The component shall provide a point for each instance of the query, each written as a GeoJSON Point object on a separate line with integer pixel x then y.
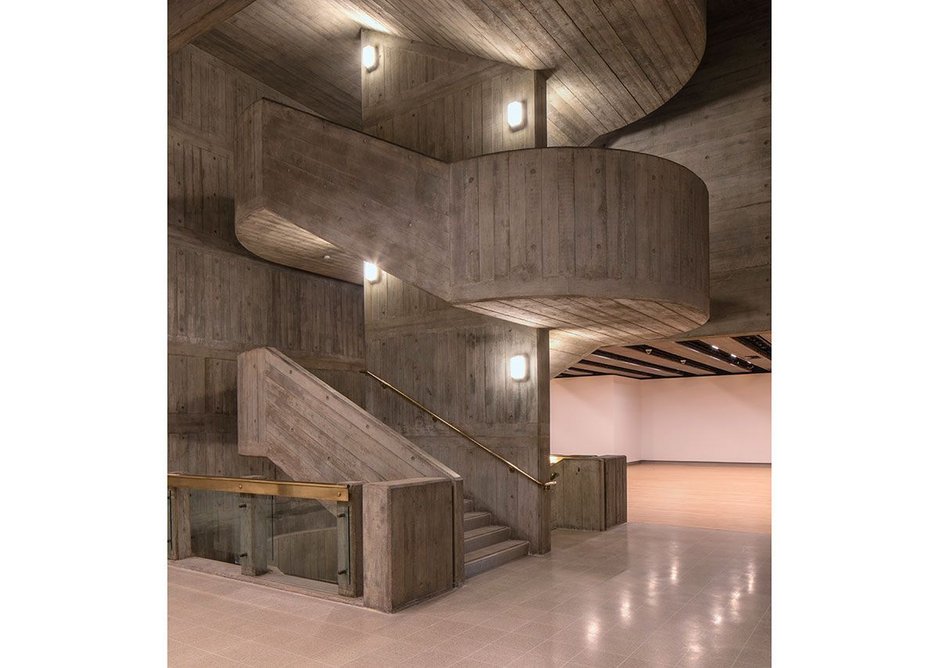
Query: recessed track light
{"type": "Point", "coordinates": [678, 359]}
{"type": "Point", "coordinates": [757, 344]}
{"type": "Point", "coordinates": [713, 351]}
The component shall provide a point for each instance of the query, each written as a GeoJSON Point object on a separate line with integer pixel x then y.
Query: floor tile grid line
{"type": "Point", "coordinates": [298, 657]}
{"type": "Point", "coordinates": [744, 643]}
{"type": "Point", "coordinates": [265, 591]}
{"type": "Point", "coordinates": [249, 610]}
{"type": "Point", "coordinates": [261, 608]}
{"type": "Point", "coordinates": [484, 649]}
{"type": "Point", "coordinates": [741, 649]}
{"type": "Point", "coordinates": [659, 626]}
{"type": "Point", "coordinates": [673, 614]}
{"type": "Point", "coordinates": [647, 550]}
{"type": "Point", "coordinates": [626, 657]}
{"type": "Point", "coordinates": [329, 612]}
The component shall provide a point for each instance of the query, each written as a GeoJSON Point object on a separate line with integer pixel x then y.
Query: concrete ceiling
{"type": "Point", "coordinates": [609, 63]}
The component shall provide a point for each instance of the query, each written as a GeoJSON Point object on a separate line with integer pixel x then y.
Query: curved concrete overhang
{"type": "Point", "coordinates": [602, 246]}
{"type": "Point", "coordinates": [611, 63]}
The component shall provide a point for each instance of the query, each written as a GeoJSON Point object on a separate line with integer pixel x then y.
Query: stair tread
{"type": "Point", "coordinates": [495, 548]}
{"type": "Point", "coordinates": [474, 514]}
{"type": "Point", "coordinates": [481, 531]}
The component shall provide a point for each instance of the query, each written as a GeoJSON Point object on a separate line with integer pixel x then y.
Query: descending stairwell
{"type": "Point", "coordinates": [487, 545]}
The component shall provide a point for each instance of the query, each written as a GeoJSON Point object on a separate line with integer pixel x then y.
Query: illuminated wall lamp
{"type": "Point", "coordinates": [369, 57]}
{"type": "Point", "coordinates": [518, 367]}
{"type": "Point", "coordinates": [515, 116]}
{"type": "Point", "coordinates": [372, 272]}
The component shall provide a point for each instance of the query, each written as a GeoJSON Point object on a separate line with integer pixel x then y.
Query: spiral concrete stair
{"type": "Point", "coordinates": [600, 246]}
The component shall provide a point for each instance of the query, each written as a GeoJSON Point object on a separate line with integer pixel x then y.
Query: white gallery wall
{"type": "Point", "coordinates": [598, 415]}
{"type": "Point", "coordinates": [703, 419]}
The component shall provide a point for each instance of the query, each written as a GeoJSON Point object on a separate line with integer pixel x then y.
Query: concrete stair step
{"type": "Point", "coordinates": [491, 556]}
{"type": "Point", "coordinates": [484, 536]}
{"type": "Point", "coordinates": [474, 520]}
{"type": "Point", "coordinates": [468, 505]}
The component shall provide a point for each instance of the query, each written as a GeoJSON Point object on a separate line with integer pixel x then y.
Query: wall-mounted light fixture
{"type": "Point", "coordinates": [372, 272]}
{"type": "Point", "coordinates": [369, 57]}
{"type": "Point", "coordinates": [518, 367]}
{"type": "Point", "coordinates": [515, 116]}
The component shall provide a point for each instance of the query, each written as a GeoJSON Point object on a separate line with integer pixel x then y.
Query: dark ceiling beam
{"type": "Point", "coordinates": [575, 373]}
{"type": "Point", "coordinates": [673, 352]}
{"type": "Point", "coordinates": [190, 18]}
{"type": "Point", "coordinates": [735, 346]}
{"type": "Point", "coordinates": [733, 362]}
{"type": "Point", "coordinates": [757, 344]}
{"type": "Point", "coordinates": [693, 355]}
{"type": "Point", "coordinates": [612, 370]}
{"type": "Point", "coordinates": [643, 365]}
{"type": "Point", "coordinates": [606, 362]}
{"type": "Point", "coordinates": [667, 361]}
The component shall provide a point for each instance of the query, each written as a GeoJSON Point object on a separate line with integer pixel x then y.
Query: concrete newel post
{"type": "Point", "coordinates": [408, 541]}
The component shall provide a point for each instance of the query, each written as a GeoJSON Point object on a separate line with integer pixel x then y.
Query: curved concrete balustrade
{"type": "Point", "coordinates": [309, 187]}
{"type": "Point", "coordinates": [602, 246]}
{"type": "Point", "coordinates": [596, 242]}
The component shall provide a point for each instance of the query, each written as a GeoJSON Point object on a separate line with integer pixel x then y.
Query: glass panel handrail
{"type": "Point", "coordinates": [287, 488]}
{"type": "Point", "coordinates": [304, 539]}
{"type": "Point", "coordinates": [282, 529]}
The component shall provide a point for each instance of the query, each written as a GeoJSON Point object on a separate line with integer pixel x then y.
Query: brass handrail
{"type": "Point", "coordinates": [459, 431]}
{"type": "Point", "coordinates": [289, 488]}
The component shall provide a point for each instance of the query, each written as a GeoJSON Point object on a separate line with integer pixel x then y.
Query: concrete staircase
{"type": "Point", "coordinates": [487, 545]}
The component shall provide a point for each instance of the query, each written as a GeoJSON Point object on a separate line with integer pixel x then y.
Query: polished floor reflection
{"type": "Point", "coordinates": [638, 595]}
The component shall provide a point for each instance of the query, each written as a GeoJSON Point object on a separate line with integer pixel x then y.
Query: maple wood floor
{"type": "Point", "coordinates": [736, 497]}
